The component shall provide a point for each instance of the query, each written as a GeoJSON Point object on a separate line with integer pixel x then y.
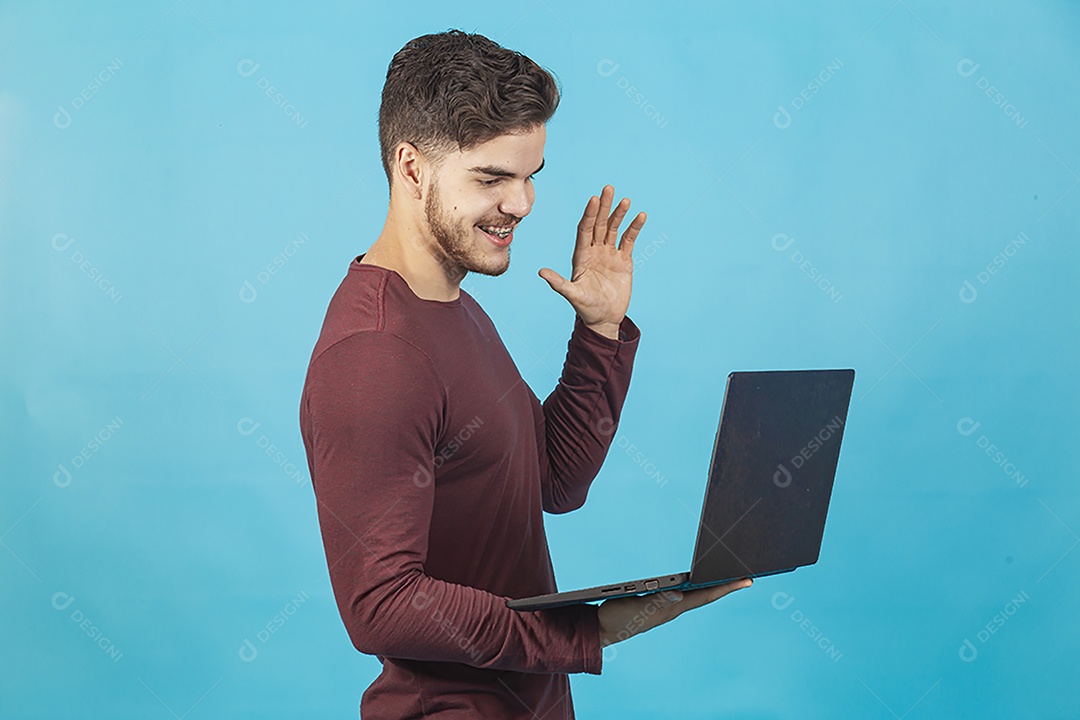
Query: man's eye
{"type": "Point", "coordinates": [488, 183]}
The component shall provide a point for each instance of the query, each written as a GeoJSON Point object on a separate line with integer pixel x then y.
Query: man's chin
{"type": "Point", "coordinates": [490, 269]}
{"type": "Point", "coordinates": [486, 265]}
{"type": "Point", "coordinates": [476, 259]}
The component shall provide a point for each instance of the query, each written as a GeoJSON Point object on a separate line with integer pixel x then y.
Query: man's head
{"type": "Point", "coordinates": [461, 131]}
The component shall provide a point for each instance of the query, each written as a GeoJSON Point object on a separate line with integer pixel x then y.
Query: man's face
{"type": "Point", "coordinates": [488, 187]}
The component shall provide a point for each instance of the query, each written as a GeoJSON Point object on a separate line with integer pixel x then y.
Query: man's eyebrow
{"type": "Point", "coordinates": [497, 171]}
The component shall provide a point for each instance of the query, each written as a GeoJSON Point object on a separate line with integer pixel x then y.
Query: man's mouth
{"type": "Point", "coordinates": [501, 235]}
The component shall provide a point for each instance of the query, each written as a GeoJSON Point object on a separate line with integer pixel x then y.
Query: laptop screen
{"type": "Point", "coordinates": [771, 473]}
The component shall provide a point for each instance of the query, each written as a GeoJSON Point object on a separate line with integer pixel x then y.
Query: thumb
{"type": "Point", "coordinates": [554, 279]}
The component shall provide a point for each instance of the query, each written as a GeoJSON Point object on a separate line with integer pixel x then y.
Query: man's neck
{"type": "Point", "coordinates": [418, 262]}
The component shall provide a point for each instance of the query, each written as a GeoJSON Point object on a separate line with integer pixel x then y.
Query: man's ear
{"type": "Point", "coordinates": [410, 166]}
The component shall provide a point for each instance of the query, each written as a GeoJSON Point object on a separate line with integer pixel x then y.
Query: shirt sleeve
{"type": "Point", "coordinates": [581, 414]}
{"type": "Point", "coordinates": [371, 413]}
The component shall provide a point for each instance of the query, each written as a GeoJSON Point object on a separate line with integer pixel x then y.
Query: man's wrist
{"type": "Point", "coordinates": [608, 330]}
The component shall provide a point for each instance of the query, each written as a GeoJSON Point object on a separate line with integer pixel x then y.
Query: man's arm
{"type": "Point", "coordinates": [371, 439]}
{"type": "Point", "coordinates": [581, 414]}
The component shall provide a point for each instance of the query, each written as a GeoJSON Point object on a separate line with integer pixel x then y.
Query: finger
{"type": "Point", "coordinates": [558, 283]}
{"type": "Point", "coordinates": [628, 238]}
{"type": "Point", "coordinates": [554, 279]}
{"type": "Point", "coordinates": [719, 591]}
{"type": "Point", "coordinates": [715, 593]}
{"type": "Point", "coordinates": [585, 227]}
{"type": "Point", "coordinates": [615, 221]}
{"type": "Point", "coordinates": [704, 596]}
{"type": "Point", "coordinates": [600, 226]}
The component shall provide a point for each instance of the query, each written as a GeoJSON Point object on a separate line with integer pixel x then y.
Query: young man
{"type": "Point", "coordinates": [432, 459]}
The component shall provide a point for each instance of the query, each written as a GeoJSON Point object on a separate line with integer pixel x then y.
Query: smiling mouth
{"type": "Point", "coordinates": [500, 231]}
{"type": "Point", "coordinates": [500, 235]}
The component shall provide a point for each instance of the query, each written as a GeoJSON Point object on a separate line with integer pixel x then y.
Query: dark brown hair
{"type": "Point", "coordinates": [454, 90]}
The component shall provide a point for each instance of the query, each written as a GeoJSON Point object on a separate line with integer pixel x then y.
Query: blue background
{"type": "Point", "coordinates": [171, 236]}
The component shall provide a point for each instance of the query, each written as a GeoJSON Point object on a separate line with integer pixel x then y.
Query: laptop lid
{"type": "Point", "coordinates": [771, 473]}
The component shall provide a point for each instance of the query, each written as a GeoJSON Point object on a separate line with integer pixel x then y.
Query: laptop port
{"type": "Point", "coordinates": [630, 587]}
{"type": "Point", "coordinates": [652, 584]}
{"type": "Point", "coordinates": [613, 588]}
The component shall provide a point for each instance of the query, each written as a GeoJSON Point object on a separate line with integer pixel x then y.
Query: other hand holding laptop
{"type": "Point", "coordinates": [622, 618]}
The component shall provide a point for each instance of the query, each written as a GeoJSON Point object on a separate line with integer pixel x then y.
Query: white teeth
{"type": "Point", "coordinates": [502, 233]}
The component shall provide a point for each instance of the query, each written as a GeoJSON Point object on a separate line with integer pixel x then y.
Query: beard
{"type": "Point", "coordinates": [458, 242]}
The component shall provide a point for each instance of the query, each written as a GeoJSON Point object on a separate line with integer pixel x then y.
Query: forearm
{"type": "Point", "coordinates": [581, 413]}
{"type": "Point", "coordinates": [400, 612]}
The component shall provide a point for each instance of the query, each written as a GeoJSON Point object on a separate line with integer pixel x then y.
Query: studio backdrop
{"type": "Point", "coordinates": [889, 186]}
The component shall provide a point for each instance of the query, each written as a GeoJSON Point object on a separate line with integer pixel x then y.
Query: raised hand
{"type": "Point", "coordinates": [599, 286]}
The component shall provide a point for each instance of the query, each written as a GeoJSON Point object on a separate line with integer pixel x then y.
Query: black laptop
{"type": "Point", "coordinates": [770, 480]}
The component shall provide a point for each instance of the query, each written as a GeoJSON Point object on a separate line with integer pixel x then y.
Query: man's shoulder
{"type": "Point", "coordinates": [357, 306]}
{"type": "Point", "coordinates": [370, 311]}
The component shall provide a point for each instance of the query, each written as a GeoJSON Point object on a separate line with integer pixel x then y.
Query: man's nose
{"type": "Point", "coordinates": [518, 200]}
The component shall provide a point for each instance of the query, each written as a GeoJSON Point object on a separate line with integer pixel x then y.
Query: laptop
{"type": "Point", "coordinates": [770, 479]}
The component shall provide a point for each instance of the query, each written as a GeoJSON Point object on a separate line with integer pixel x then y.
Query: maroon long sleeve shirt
{"type": "Point", "coordinates": [432, 462]}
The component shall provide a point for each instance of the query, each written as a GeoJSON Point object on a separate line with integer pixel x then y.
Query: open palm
{"type": "Point", "coordinates": [601, 279]}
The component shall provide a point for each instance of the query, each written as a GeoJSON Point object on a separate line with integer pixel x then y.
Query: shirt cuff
{"type": "Point", "coordinates": [628, 332]}
{"type": "Point", "coordinates": [590, 639]}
